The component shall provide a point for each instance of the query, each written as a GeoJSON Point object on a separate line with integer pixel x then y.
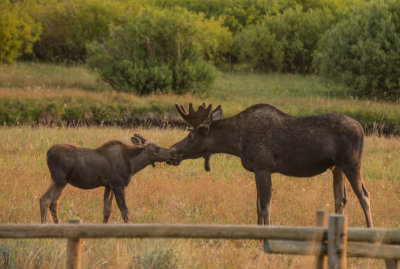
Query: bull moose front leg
{"type": "Point", "coordinates": [264, 193]}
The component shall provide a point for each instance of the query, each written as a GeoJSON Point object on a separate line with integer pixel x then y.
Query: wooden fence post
{"type": "Point", "coordinates": [74, 250]}
{"type": "Point", "coordinates": [321, 261]}
{"type": "Point", "coordinates": [392, 264]}
{"type": "Point", "coordinates": [337, 242]}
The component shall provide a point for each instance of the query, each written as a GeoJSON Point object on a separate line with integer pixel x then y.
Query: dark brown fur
{"type": "Point", "coordinates": [269, 141]}
{"type": "Point", "coordinates": [111, 165]}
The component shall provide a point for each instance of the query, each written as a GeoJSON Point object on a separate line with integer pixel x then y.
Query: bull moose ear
{"type": "Point", "coordinates": [217, 113]}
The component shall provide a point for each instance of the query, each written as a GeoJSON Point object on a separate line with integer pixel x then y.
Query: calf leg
{"type": "Point", "coordinates": [108, 196]}
{"type": "Point", "coordinates": [50, 199]}
{"type": "Point", "coordinates": [120, 198]}
{"type": "Point", "coordinates": [53, 209]}
{"type": "Point", "coordinates": [353, 174]}
{"type": "Point", "coordinates": [339, 190]}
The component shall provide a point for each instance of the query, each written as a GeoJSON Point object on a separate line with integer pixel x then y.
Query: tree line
{"type": "Point", "coordinates": [179, 45]}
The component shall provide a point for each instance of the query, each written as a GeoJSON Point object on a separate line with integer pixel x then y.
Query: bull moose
{"type": "Point", "coordinates": [269, 141]}
{"type": "Point", "coordinates": [111, 165]}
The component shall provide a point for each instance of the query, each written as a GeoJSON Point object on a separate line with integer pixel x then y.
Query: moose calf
{"type": "Point", "coordinates": [111, 165]}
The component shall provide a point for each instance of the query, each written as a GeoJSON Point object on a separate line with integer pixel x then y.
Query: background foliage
{"type": "Point", "coordinates": [363, 51]}
{"type": "Point", "coordinates": [69, 25]}
{"type": "Point", "coordinates": [161, 51]}
{"type": "Point", "coordinates": [283, 42]}
{"type": "Point", "coordinates": [358, 40]}
{"type": "Point", "coordinates": [18, 31]}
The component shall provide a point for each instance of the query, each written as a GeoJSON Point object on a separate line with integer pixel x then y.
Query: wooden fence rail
{"type": "Point", "coordinates": [336, 241]}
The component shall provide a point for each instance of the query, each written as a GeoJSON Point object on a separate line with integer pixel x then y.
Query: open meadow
{"type": "Point", "coordinates": [183, 194]}
{"type": "Point", "coordinates": [32, 92]}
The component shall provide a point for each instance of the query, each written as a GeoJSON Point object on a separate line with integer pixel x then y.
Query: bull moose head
{"type": "Point", "coordinates": [196, 144]}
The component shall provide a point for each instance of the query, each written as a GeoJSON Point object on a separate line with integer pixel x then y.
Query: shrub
{"type": "Point", "coordinates": [157, 258]}
{"type": "Point", "coordinates": [236, 13]}
{"type": "Point", "coordinates": [161, 51]}
{"type": "Point", "coordinates": [68, 25]}
{"type": "Point", "coordinates": [284, 42]}
{"type": "Point", "coordinates": [18, 31]}
{"type": "Point", "coordinates": [363, 51]}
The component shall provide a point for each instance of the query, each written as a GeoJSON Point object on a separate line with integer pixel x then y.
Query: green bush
{"type": "Point", "coordinates": [18, 31]}
{"type": "Point", "coordinates": [363, 51]}
{"type": "Point", "coordinates": [284, 42]}
{"type": "Point", "coordinates": [238, 14]}
{"type": "Point", "coordinates": [161, 51]}
{"type": "Point", "coordinates": [68, 25]}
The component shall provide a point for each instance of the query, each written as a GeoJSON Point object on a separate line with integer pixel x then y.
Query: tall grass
{"type": "Point", "coordinates": [183, 194]}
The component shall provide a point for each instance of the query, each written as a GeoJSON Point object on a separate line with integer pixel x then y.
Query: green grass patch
{"type": "Point", "coordinates": [42, 94]}
{"type": "Point", "coordinates": [30, 75]}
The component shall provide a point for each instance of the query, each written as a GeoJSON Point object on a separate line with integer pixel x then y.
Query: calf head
{"type": "Point", "coordinates": [196, 144]}
{"type": "Point", "coordinates": [152, 153]}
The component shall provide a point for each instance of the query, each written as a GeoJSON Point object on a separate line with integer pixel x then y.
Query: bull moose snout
{"type": "Point", "coordinates": [175, 160]}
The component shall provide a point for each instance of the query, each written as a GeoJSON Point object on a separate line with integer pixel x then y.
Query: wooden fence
{"type": "Point", "coordinates": [330, 245]}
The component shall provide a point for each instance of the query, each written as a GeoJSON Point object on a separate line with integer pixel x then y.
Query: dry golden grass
{"type": "Point", "coordinates": [183, 194]}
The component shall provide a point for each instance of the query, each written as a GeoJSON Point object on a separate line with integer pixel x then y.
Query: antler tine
{"type": "Point", "coordinates": [191, 110]}
{"type": "Point", "coordinates": [195, 118]}
{"type": "Point", "coordinates": [182, 111]}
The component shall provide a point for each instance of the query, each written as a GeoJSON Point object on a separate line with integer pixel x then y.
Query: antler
{"type": "Point", "coordinates": [195, 118]}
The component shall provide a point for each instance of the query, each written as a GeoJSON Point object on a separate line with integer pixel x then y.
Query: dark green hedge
{"type": "Point", "coordinates": [160, 114]}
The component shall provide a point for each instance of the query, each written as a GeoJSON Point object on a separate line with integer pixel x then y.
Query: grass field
{"type": "Point", "coordinates": [183, 194]}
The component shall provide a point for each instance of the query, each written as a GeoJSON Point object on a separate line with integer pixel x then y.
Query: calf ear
{"type": "Point", "coordinates": [137, 142]}
{"type": "Point", "coordinates": [141, 138]}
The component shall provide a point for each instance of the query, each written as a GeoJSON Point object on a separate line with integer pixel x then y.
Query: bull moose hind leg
{"type": "Point", "coordinates": [120, 198]}
{"type": "Point", "coordinates": [339, 190]}
{"type": "Point", "coordinates": [108, 197]}
{"type": "Point", "coordinates": [353, 174]}
{"type": "Point", "coordinates": [264, 192]}
{"type": "Point", "coordinates": [50, 200]}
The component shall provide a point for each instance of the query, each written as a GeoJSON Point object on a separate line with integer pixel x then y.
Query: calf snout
{"type": "Point", "coordinates": [175, 159]}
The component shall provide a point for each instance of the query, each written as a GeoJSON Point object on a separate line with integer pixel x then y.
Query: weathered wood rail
{"type": "Point", "coordinates": [336, 242]}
